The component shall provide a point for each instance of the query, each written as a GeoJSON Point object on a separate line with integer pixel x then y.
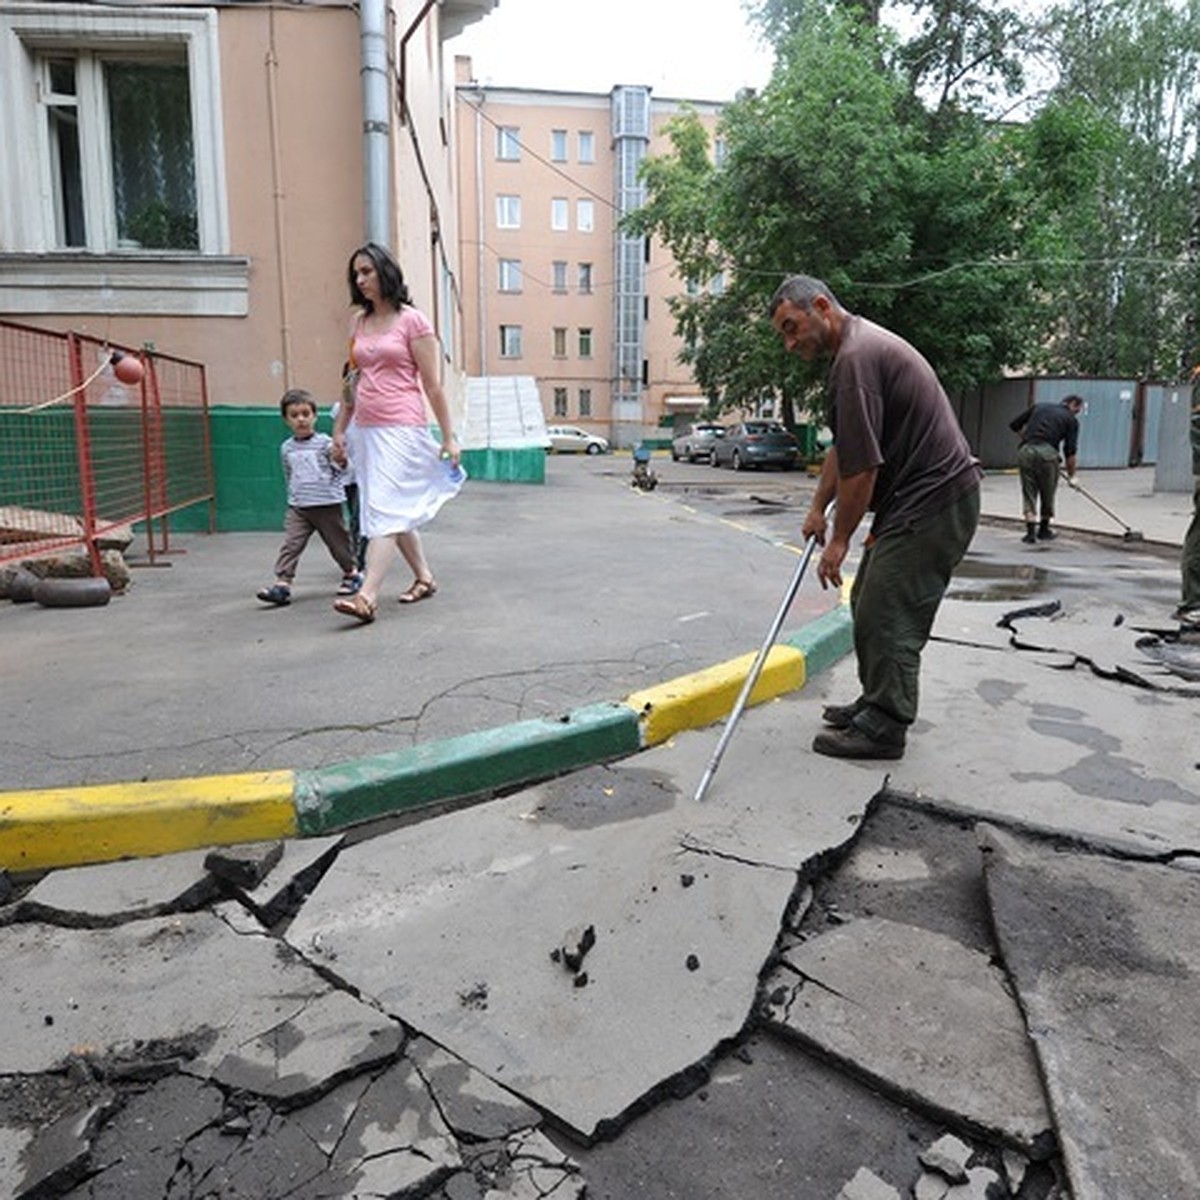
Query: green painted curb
{"type": "Point", "coordinates": [825, 640]}
{"type": "Point", "coordinates": [334, 797]}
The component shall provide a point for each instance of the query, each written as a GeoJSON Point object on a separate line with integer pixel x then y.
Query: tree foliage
{"type": "Point", "coordinates": [882, 163]}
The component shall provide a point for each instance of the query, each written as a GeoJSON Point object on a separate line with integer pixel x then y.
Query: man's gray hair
{"type": "Point", "coordinates": [801, 290]}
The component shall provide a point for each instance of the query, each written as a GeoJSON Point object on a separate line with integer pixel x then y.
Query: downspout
{"type": "Point", "coordinates": [377, 190]}
{"type": "Point", "coordinates": [277, 198]}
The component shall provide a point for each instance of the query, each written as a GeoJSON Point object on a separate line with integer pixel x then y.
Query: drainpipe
{"type": "Point", "coordinates": [277, 200]}
{"type": "Point", "coordinates": [377, 192]}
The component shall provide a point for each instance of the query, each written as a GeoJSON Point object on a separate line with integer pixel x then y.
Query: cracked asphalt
{"type": "Point", "coordinates": [972, 975]}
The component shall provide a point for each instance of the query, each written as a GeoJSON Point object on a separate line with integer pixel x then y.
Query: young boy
{"type": "Point", "coordinates": [315, 493]}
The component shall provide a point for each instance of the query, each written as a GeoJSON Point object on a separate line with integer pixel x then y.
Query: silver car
{"type": "Point", "coordinates": [695, 441]}
{"type": "Point", "coordinates": [570, 439]}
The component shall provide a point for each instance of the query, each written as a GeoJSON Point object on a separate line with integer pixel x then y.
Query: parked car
{"type": "Point", "coordinates": [570, 439]}
{"type": "Point", "coordinates": [756, 444]}
{"type": "Point", "coordinates": [695, 441]}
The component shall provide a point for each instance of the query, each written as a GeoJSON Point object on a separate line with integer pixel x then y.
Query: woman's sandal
{"type": "Point", "coordinates": [419, 589]}
{"type": "Point", "coordinates": [358, 607]}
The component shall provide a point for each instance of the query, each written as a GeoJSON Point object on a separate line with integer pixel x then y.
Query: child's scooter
{"type": "Point", "coordinates": [644, 478]}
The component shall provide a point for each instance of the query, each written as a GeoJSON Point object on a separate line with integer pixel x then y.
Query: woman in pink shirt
{"type": "Point", "coordinates": [403, 475]}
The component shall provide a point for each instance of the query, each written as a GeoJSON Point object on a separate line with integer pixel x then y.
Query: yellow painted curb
{"type": "Point", "coordinates": [61, 827]}
{"type": "Point", "coordinates": [692, 701]}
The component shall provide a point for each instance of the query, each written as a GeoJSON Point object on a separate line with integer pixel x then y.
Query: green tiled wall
{"type": "Point", "coordinates": [250, 493]}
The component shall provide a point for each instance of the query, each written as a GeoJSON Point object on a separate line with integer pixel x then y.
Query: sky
{"type": "Point", "coordinates": [682, 49]}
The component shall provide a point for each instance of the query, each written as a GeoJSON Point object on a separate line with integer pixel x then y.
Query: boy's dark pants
{"type": "Point", "coordinates": [300, 524]}
{"type": "Point", "coordinates": [900, 583]}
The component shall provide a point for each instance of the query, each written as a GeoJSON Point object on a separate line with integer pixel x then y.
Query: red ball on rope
{"type": "Point", "coordinates": [127, 368]}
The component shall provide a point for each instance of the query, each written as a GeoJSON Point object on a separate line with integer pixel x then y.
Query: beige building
{"type": "Point", "coordinates": [551, 288]}
{"type": "Point", "coordinates": [195, 177]}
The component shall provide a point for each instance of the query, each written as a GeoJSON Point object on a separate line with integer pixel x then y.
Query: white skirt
{"type": "Point", "coordinates": [402, 478]}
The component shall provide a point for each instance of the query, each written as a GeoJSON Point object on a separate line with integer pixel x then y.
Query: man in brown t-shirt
{"type": "Point", "coordinates": [899, 453]}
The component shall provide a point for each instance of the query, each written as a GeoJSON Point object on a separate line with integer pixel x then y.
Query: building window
{"type": "Point", "coordinates": [558, 214]}
{"type": "Point", "coordinates": [508, 212]}
{"type": "Point", "coordinates": [720, 152]}
{"type": "Point", "coordinates": [585, 278]}
{"type": "Point", "coordinates": [560, 401]}
{"type": "Point", "coordinates": [587, 146]}
{"type": "Point", "coordinates": [116, 152]}
{"type": "Point", "coordinates": [585, 215]}
{"type": "Point", "coordinates": [510, 274]}
{"type": "Point", "coordinates": [560, 342]}
{"type": "Point", "coordinates": [716, 285]}
{"type": "Point", "coordinates": [585, 402]}
{"type": "Point", "coordinates": [558, 145]}
{"type": "Point", "coordinates": [508, 143]}
{"type": "Point", "coordinates": [510, 341]}
{"type": "Point", "coordinates": [585, 343]}
{"type": "Point", "coordinates": [560, 276]}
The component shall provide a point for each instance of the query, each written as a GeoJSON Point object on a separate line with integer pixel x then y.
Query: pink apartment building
{"type": "Point", "coordinates": [551, 288]}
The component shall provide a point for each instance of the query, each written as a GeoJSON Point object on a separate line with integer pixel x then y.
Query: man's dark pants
{"type": "Point", "coordinates": [1037, 465]}
{"type": "Point", "coordinates": [901, 580]}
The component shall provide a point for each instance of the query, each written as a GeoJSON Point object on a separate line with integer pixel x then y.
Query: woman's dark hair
{"type": "Point", "coordinates": [391, 278]}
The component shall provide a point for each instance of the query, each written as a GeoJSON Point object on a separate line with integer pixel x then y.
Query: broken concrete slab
{"type": "Point", "coordinates": [866, 1185]}
{"type": "Point", "coordinates": [921, 1015]}
{"type": "Point", "coordinates": [111, 893]}
{"type": "Point", "coordinates": [85, 991]}
{"type": "Point", "coordinates": [331, 1038]}
{"type": "Point", "coordinates": [1107, 973]}
{"type": "Point", "coordinates": [57, 1156]}
{"type": "Point", "coordinates": [450, 926]}
{"type": "Point", "coordinates": [477, 1109]}
{"type": "Point", "coordinates": [1092, 758]}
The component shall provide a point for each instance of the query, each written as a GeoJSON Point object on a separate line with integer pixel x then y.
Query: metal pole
{"type": "Point", "coordinates": [756, 669]}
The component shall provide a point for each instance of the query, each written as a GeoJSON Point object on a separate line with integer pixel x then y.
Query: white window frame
{"type": "Point", "coordinates": [510, 274]}
{"type": "Point", "coordinates": [560, 275]}
{"type": "Point", "coordinates": [585, 216]}
{"type": "Point", "coordinates": [508, 143]}
{"type": "Point", "coordinates": [508, 212]}
{"type": "Point", "coordinates": [510, 341]}
{"type": "Point", "coordinates": [558, 145]}
{"type": "Point", "coordinates": [585, 278]}
{"type": "Point", "coordinates": [585, 342]}
{"type": "Point", "coordinates": [587, 146]}
{"type": "Point", "coordinates": [560, 402]}
{"type": "Point", "coordinates": [36, 275]}
{"type": "Point", "coordinates": [560, 214]}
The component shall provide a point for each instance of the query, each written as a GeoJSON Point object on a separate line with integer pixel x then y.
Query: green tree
{"type": "Point", "coordinates": [832, 171]}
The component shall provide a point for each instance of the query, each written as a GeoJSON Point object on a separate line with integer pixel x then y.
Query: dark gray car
{"type": "Point", "coordinates": [695, 441]}
{"type": "Point", "coordinates": [756, 444]}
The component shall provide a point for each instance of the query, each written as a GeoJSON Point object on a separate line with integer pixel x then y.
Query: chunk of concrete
{"type": "Point", "coordinates": [921, 1014]}
{"type": "Point", "coordinates": [866, 1185]}
{"type": "Point", "coordinates": [1108, 971]}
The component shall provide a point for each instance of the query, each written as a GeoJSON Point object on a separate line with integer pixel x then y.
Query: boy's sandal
{"type": "Point", "coordinates": [350, 584]}
{"type": "Point", "coordinates": [358, 607]}
{"type": "Point", "coordinates": [276, 594]}
{"type": "Point", "coordinates": [419, 589]}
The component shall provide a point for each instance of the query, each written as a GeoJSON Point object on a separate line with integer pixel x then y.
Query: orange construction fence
{"type": "Point", "coordinates": [83, 453]}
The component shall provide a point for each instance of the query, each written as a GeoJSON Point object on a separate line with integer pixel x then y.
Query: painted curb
{"type": "Point", "coordinates": [72, 826]}
{"type": "Point", "coordinates": [458, 768]}
{"type": "Point", "coordinates": [62, 827]}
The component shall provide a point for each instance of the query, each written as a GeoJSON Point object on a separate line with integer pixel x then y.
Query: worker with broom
{"type": "Point", "coordinates": [1044, 429]}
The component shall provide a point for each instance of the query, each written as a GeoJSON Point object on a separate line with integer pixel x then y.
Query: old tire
{"type": "Point", "coordinates": [21, 585]}
{"type": "Point", "coordinates": [72, 593]}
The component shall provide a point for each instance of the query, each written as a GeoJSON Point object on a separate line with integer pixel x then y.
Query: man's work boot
{"type": "Point", "coordinates": [1045, 533]}
{"type": "Point", "coordinates": [854, 743]}
{"type": "Point", "coordinates": [1030, 533]}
